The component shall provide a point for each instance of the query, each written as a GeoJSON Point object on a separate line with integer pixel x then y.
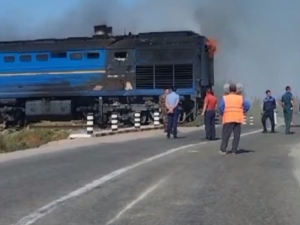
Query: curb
{"type": "Point", "coordinates": [121, 131]}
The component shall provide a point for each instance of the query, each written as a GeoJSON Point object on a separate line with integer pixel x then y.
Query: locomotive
{"type": "Point", "coordinates": [64, 79]}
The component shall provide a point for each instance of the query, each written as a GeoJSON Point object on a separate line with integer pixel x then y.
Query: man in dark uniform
{"type": "Point", "coordinates": [287, 102]}
{"type": "Point", "coordinates": [269, 105]}
{"type": "Point", "coordinates": [163, 109]}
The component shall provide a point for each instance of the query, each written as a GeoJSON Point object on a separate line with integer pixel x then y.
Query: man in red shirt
{"type": "Point", "coordinates": [209, 111]}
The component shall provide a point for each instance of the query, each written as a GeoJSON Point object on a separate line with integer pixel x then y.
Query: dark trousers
{"type": "Point", "coordinates": [173, 122]}
{"type": "Point", "coordinates": [209, 122]}
{"type": "Point", "coordinates": [228, 128]}
{"type": "Point", "coordinates": [288, 116]}
{"type": "Point", "coordinates": [268, 115]}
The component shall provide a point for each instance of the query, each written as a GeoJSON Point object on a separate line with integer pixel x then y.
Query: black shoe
{"type": "Point", "coordinates": [234, 152]}
{"type": "Point", "coordinates": [264, 131]}
{"type": "Point", "coordinates": [289, 133]}
{"type": "Point", "coordinates": [175, 137]}
{"type": "Point", "coordinates": [214, 139]}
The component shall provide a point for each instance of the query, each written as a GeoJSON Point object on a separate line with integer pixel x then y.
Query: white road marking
{"type": "Point", "coordinates": [141, 197]}
{"type": "Point", "coordinates": [45, 210]}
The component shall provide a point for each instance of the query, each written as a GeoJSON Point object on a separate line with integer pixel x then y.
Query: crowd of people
{"type": "Point", "coordinates": [232, 107]}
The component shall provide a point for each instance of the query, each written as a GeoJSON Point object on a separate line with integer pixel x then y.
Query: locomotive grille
{"type": "Point", "coordinates": [183, 75]}
{"type": "Point", "coordinates": [144, 77]}
{"type": "Point", "coordinates": [164, 76]}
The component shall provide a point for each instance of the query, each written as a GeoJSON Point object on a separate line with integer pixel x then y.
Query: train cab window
{"type": "Point", "coordinates": [93, 55]}
{"type": "Point", "coordinates": [42, 57]}
{"type": "Point", "coordinates": [58, 55]}
{"type": "Point", "coordinates": [25, 58]}
{"type": "Point", "coordinates": [120, 56]}
{"type": "Point", "coordinates": [9, 59]}
{"type": "Point", "coordinates": [75, 56]}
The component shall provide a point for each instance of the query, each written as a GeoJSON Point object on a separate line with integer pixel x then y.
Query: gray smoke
{"type": "Point", "coordinates": [258, 40]}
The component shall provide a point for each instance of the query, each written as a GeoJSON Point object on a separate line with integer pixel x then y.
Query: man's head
{"type": "Point", "coordinates": [174, 89]}
{"type": "Point", "coordinates": [166, 91]}
{"type": "Point", "coordinates": [209, 90]}
{"type": "Point", "coordinates": [288, 89]}
{"type": "Point", "coordinates": [268, 92]}
{"type": "Point", "coordinates": [232, 88]}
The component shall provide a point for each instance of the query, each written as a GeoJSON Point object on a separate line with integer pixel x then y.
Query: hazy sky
{"type": "Point", "coordinates": [259, 40]}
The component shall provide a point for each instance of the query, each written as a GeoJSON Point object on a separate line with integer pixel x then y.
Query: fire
{"type": "Point", "coordinates": [212, 47]}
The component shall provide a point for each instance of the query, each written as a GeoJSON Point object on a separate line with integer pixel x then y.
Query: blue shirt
{"type": "Point", "coordinates": [286, 99]}
{"type": "Point", "coordinates": [222, 106]}
{"type": "Point", "coordinates": [269, 104]}
{"type": "Point", "coordinates": [172, 99]}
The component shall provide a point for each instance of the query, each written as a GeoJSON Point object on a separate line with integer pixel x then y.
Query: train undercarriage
{"type": "Point", "coordinates": [21, 112]}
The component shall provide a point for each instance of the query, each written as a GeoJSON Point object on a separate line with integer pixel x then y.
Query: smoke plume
{"type": "Point", "coordinates": [258, 40]}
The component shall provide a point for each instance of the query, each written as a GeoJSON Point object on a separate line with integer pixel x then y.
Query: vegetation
{"type": "Point", "coordinates": [26, 139]}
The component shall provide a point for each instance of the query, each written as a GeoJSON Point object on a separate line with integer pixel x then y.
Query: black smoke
{"type": "Point", "coordinates": [258, 40]}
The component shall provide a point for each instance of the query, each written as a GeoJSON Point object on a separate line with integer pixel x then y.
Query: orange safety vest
{"type": "Point", "coordinates": [234, 109]}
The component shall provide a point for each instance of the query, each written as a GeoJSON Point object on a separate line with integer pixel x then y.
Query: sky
{"type": "Point", "coordinates": [258, 40]}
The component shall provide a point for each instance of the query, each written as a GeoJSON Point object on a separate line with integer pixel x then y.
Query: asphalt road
{"type": "Point", "coordinates": [175, 186]}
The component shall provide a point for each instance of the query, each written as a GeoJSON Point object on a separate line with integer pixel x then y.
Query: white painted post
{"type": "Point", "coordinates": [114, 122]}
{"type": "Point", "coordinates": [156, 119]}
{"type": "Point", "coordinates": [245, 120]}
{"type": "Point", "coordinates": [251, 120]}
{"type": "Point", "coordinates": [217, 119]}
{"type": "Point", "coordinates": [90, 123]}
{"type": "Point", "coordinates": [275, 117]}
{"type": "Point", "coordinates": [137, 120]}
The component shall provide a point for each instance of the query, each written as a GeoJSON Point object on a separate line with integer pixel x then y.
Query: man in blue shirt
{"type": "Point", "coordinates": [172, 101]}
{"type": "Point", "coordinates": [287, 103]}
{"type": "Point", "coordinates": [269, 105]}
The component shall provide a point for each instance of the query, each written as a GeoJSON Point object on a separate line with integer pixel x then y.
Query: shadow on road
{"type": "Point", "coordinates": [242, 151]}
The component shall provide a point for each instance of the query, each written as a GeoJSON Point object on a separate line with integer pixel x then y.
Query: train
{"type": "Point", "coordinates": [65, 79]}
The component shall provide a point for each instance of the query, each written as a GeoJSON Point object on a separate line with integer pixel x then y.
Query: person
{"type": "Point", "coordinates": [163, 108]}
{"type": "Point", "coordinates": [287, 103]}
{"type": "Point", "coordinates": [232, 108]}
{"type": "Point", "coordinates": [269, 105]}
{"type": "Point", "coordinates": [172, 101]}
{"type": "Point", "coordinates": [209, 112]}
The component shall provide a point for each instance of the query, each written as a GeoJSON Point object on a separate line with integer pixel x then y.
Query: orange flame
{"type": "Point", "coordinates": [212, 45]}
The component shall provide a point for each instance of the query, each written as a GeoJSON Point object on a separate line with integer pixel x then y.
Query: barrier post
{"type": "Point", "coordinates": [251, 120]}
{"type": "Point", "coordinates": [90, 123]}
{"type": "Point", "coordinates": [114, 122]}
{"type": "Point", "coordinates": [217, 119]}
{"type": "Point", "coordinates": [156, 119]}
{"type": "Point", "coordinates": [137, 120]}
{"type": "Point", "coordinates": [245, 120]}
{"type": "Point", "coordinates": [275, 117]}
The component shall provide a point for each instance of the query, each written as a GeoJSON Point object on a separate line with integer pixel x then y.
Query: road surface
{"type": "Point", "coordinates": [156, 181]}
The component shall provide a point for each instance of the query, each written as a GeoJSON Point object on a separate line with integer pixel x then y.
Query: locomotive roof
{"type": "Point", "coordinates": [150, 39]}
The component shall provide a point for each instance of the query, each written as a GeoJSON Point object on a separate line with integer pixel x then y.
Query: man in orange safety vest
{"type": "Point", "coordinates": [232, 107]}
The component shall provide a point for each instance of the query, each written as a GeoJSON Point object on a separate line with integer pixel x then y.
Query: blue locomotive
{"type": "Point", "coordinates": [64, 79]}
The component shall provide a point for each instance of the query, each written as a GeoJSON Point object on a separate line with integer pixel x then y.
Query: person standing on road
{"type": "Point", "coordinates": [287, 103]}
{"type": "Point", "coordinates": [172, 101]}
{"type": "Point", "coordinates": [232, 107]}
{"type": "Point", "coordinates": [209, 111]}
{"type": "Point", "coordinates": [163, 109]}
{"type": "Point", "coordinates": [269, 105]}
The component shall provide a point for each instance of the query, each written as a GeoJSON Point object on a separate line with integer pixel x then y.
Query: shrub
{"type": "Point", "coordinates": [25, 139]}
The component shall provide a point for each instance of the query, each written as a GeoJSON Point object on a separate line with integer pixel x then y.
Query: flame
{"type": "Point", "coordinates": [212, 46]}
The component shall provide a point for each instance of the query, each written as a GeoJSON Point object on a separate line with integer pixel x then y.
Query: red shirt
{"type": "Point", "coordinates": [211, 101]}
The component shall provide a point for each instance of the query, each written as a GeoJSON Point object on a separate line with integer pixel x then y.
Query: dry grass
{"type": "Point", "coordinates": [26, 139]}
